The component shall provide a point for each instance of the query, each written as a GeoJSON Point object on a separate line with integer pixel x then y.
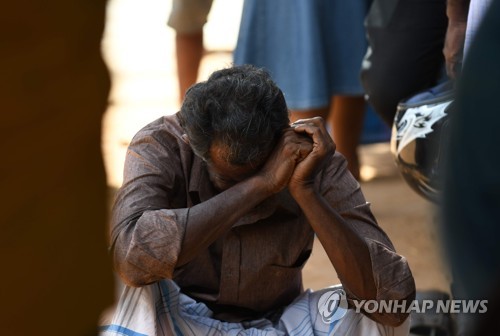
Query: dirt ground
{"type": "Point", "coordinates": [141, 59]}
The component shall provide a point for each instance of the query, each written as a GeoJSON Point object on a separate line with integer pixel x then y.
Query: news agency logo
{"type": "Point", "coordinates": [332, 305]}
{"type": "Point", "coordinates": [421, 306]}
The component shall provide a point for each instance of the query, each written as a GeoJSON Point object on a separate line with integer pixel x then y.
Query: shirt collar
{"type": "Point", "coordinates": [199, 181]}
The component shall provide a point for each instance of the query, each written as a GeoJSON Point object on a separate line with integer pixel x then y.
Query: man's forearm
{"type": "Point", "coordinates": [360, 259]}
{"type": "Point", "coordinates": [209, 220]}
{"type": "Point", "coordinates": [346, 248]}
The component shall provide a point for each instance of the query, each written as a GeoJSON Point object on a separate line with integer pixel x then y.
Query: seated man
{"type": "Point", "coordinates": [219, 209]}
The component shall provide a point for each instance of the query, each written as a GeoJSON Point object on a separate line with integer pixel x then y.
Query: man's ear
{"type": "Point", "coordinates": [185, 138]}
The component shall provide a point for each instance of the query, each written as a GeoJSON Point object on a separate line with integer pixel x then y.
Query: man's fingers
{"type": "Point", "coordinates": [303, 150]}
{"type": "Point", "coordinates": [310, 121]}
{"type": "Point", "coordinates": [316, 131]}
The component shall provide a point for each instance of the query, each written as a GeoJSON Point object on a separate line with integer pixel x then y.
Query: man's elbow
{"type": "Point", "coordinates": [137, 267]}
{"type": "Point", "coordinates": [135, 277]}
{"type": "Point", "coordinates": [137, 274]}
{"type": "Point", "coordinates": [393, 310]}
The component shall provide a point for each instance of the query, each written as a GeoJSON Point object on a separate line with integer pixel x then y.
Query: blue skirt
{"type": "Point", "coordinates": [312, 48]}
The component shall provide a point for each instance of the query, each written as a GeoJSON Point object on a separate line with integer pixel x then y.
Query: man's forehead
{"type": "Point", "coordinates": [219, 155]}
{"type": "Point", "coordinates": [218, 152]}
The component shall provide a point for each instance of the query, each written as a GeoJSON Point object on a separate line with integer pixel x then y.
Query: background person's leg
{"type": "Point", "coordinates": [189, 52]}
{"type": "Point", "coordinates": [187, 18]}
{"type": "Point", "coordinates": [346, 119]}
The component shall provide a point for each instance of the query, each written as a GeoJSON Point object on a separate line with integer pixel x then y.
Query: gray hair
{"type": "Point", "coordinates": [240, 108]}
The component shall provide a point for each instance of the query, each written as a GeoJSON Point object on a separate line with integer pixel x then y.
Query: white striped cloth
{"type": "Point", "coordinates": [160, 309]}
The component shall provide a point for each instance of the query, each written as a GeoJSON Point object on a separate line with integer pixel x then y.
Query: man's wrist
{"type": "Point", "coordinates": [302, 192]}
{"type": "Point", "coordinates": [261, 185]}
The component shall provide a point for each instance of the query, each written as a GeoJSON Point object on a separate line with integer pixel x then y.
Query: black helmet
{"type": "Point", "coordinates": [418, 138]}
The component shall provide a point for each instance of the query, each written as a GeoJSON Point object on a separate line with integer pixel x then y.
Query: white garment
{"type": "Point", "coordinates": [160, 309]}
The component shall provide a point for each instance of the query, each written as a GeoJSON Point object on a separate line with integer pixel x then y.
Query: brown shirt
{"type": "Point", "coordinates": [257, 264]}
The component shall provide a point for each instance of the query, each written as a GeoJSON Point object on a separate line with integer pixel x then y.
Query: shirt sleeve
{"type": "Point", "coordinates": [391, 272]}
{"type": "Point", "coordinates": [147, 224]}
